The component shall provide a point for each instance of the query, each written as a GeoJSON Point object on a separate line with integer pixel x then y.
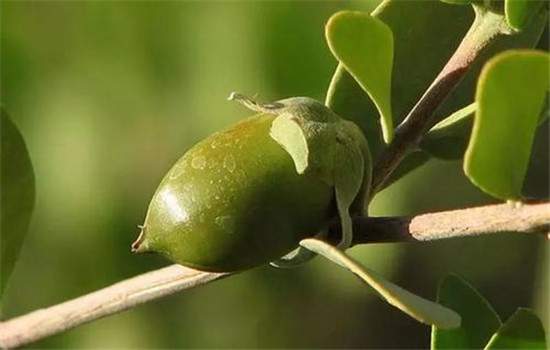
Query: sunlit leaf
{"type": "Point", "coordinates": [519, 12]}
{"type": "Point", "coordinates": [423, 310]}
{"type": "Point", "coordinates": [510, 96]}
{"type": "Point", "coordinates": [364, 45]}
{"type": "Point", "coordinates": [522, 331]}
{"type": "Point", "coordinates": [289, 134]}
{"type": "Point", "coordinates": [16, 193]}
{"type": "Point", "coordinates": [479, 320]}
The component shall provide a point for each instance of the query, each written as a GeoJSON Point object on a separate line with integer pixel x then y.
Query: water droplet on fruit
{"type": "Point", "coordinates": [229, 163]}
{"type": "Point", "coordinates": [198, 162]}
{"type": "Point", "coordinates": [222, 221]}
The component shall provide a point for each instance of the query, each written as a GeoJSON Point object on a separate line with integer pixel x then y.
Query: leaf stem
{"type": "Point", "coordinates": [485, 28]}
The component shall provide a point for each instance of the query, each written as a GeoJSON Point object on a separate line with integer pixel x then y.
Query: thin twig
{"type": "Point", "coordinates": [528, 218]}
{"type": "Point", "coordinates": [118, 297]}
{"type": "Point", "coordinates": [420, 119]}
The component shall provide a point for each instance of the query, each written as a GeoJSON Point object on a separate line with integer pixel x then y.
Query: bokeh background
{"type": "Point", "coordinates": [109, 94]}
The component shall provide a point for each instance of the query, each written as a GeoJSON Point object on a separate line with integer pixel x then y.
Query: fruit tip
{"type": "Point", "coordinates": [138, 246]}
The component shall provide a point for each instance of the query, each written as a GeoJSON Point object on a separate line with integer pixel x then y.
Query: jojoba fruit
{"type": "Point", "coordinates": [234, 201]}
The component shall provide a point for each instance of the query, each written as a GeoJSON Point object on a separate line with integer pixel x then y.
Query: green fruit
{"type": "Point", "coordinates": [235, 201]}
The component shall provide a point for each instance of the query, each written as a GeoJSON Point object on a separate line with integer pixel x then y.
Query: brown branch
{"type": "Point", "coordinates": [491, 219]}
{"type": "Point", "coordinates": [420, 119]}
{"type": "Point", "coordinates": [19, 331]}
{"type": "Point", "coordinates": [118, 297]}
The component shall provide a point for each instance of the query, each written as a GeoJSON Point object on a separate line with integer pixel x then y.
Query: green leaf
{"type": "Point", "coordinates": [448, 138]}
{"type": "Point", "coordinates": [423, 310]}
{"type": "Point", "coordinates": [519, 12]}
{"type": "Point", "coordinates": [364, 45]}
{"type": "Point", "coordinates": [479, 320]}
{"type": "Point", "coordinates": [424, 39]}
{"type": "Point", "coordinates": [522, 331]}
{"type": "Point", "coordinates": [289, 134]}
{"type": "Point", "coordinates": [510, 95]}
{"type": "Point", "coordinates": [348, 165]}
{"type": "Point", "coordinates": [17, 195]}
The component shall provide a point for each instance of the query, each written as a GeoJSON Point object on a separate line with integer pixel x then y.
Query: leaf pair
{"type": "Point", "coordinates": [481, 327]}
{"type": "Point", "coordinates": [423, 39]}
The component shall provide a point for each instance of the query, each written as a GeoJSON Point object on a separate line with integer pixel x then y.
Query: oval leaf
{"type": "Point", "coordinates": [289, 134]}
{"type": "Point", "coordinates": [519, 12]}
{"type": "Point", "coordinates": [479, 320]}
{"type": "Point", "coordinates": [17, 195]}
{"type": "Point", "coordinates": [422, 310]}
{"type": "Point", "coordinates": [364, 45]}
{"type": "Point", "coordinates": [510, 95]}
{"type": "Point", "coordinates": [522, 331]}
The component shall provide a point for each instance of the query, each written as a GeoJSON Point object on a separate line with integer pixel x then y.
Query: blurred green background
{"type": "Point", "coordinates": [110, 94]}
